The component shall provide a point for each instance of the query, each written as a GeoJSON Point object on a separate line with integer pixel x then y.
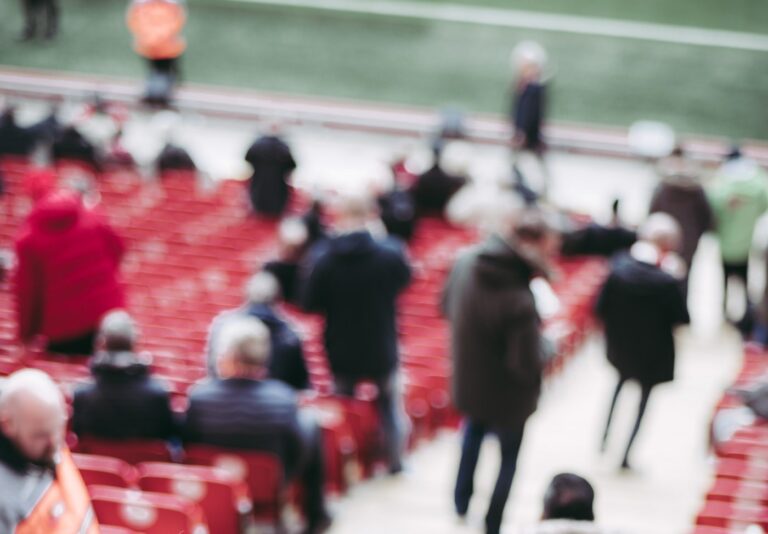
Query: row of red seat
{"type": "Point", "coordinates": [738, 496]}
{"type": "Point", "coordinates": [190, 253]}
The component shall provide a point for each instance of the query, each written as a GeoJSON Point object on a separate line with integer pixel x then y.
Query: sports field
{"type": "Point", "coordinates": [349, 49]}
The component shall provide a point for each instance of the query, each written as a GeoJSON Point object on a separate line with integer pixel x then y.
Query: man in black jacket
{"type": "Point", "coordinates": [286, 360]}
{"type": "Point", "coordinates": [354, 283]}
{"type": "Point", "coordinates": [243, 409]}
{"type": "Point", "coordinates": [641, 303]}
{"type": "Point", "coordinates": [496, 348]}
{"type": "Point", "coordinates": [124, 401]}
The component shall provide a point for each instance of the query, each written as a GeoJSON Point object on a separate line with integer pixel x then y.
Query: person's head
{"type": "Point", "coordinates": [528, 59]}
{"type": "Point", "coordinates": [33, 414]}
{"type": "Point", "coordinates": [243, 349]}
{"type": "Point", "coordinates": [662, 231]}
{"type": "Point", "coordinates": [117, 332]}
{"type": "Point", "coordinates": [292, 237]}
{"type": "Point", "coordinates": [262, 288]}
{"type": "Point", "coordinates": [354, 209]}
{"type": "Point", "coordinates": [534, 231]}
{"type": "Point", "coordinates": [569, 496]}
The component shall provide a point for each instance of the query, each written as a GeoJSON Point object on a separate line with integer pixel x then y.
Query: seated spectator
{"type": "Point", "coordinates": [448, 174]}
{"type": "Point", "coordinates": [37, 474]}
{"type": "Point", "coordinates": [14, 139]}
{"type": "Point", "coordinates": [272, 164]}
{"type": "Point", "coordinates": [71, 145]}
{"type": "Point", "coordinates": [124, 401]}
{"type": "Point", "coordinates": [66, 274]}
{"type": "Point", "coordinates": [243, 409]}
{"type": "Point", "coordinates": [286, 361]}
{"type": "Point", "coordinates": [174, 158]}
{"type": "Point", "coordinates": [292, 243]}
{"type": "Point", "coordinates": [568, 507]}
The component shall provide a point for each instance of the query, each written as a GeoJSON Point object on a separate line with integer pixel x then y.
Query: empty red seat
{"type": "Point", "coordinates": [223, 498]}
{"type": "Point", "coordinates": [262, 472]}
{"type": "Point", "coordinates": [104, 471]}
{"type": "Point", "coordinates": [132, 451]}
{"type": "Point", "coordinates": [147, 512]}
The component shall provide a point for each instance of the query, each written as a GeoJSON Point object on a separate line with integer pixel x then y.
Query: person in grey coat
{"type": "Point", "coordinates": [496, 348]}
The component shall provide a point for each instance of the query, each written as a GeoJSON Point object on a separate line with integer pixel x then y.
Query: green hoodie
{"type": "Point", "coordinates": [739, 197]}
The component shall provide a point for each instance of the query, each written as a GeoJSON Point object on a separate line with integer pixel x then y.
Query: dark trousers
{"type": "Point", "coordinates": [391, 413]}
{"type": "Point", "coordinates": [510, 440]}
{"type": "Point", "coordinates": [37, 10]}
{"type": "Point", "coordinates": [78, 346]}
{"type": "Point", "coordinates": [738, 270]}
{"type": "Point", "coordinates": [311, 471]}
{"type": "Point", "coordinates": [645, 393]}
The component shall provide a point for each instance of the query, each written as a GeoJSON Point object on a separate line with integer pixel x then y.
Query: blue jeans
{"type": "Point", "coordinates": [391, 413]}
{"type": "Point", "coordinates": [510, 440]}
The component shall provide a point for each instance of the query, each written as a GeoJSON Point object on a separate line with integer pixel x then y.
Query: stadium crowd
{"type": "Point", "coordinates": [345, 258]}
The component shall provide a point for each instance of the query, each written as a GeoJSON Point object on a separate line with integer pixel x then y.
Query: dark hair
{"type": "Point", "coordinates": [569, 496]}
{"type": "Point", "coordinates": [532, 225]}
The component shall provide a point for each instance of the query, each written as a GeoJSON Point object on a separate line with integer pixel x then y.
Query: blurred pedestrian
{"type": "Point", "coordinates": [40, 17]}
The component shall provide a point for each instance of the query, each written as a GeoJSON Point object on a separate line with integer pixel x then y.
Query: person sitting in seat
{"type": "Point", "coordinates": [286, 361]}
{"type": "Point", "coordinates": [244, 409]}
{"type": "Point", "coordinates": [42, 490]}
{"type": "Point", "coordinates": [125, 401]}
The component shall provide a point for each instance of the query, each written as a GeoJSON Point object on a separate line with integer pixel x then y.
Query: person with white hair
{"type": "Point", "coordinates": [435, 187]}
{"type": "Point", "coordinates": [496, 346]}
{"type": "Point", "coordinates": [641, 303]}
{"type": "Point", "coordinates": [286, 357]}
{"type": "Point", "coordinates": [292, 243]}
{"type": "Point", "coordinates": [529, 104]}
{"type": "Point", "coordinates": [244, 409]}
{"type": "Point", "coordinates": [354, 282]}
{"type": "Point", "coordinates": [272, 162]}
{"type": "Point", "coordinates": [42, 490]}
{"type": "Point", "coordinates": [124, 401]}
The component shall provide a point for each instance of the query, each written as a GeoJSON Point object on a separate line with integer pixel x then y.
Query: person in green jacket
{"type": "Point", "coordinates": [739, 197]}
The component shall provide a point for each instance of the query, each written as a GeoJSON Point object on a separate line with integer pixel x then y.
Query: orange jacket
{"type": "Point", "coordinates": [156, 27]}
{"type": "Point", "coordinates": [65, 507]}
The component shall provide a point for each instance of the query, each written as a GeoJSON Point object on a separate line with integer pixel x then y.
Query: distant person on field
{"type": "Point", "coordinates": [529, 103]}
{"type": "Point", "coordinates": [739, 197]}
{"type": "Point", "coordinates": [41, 17]}
{"type": "Point", "coordinates": [640, 304]}
{"type": "Point", "coordinates": [272, 163]}
{"type": "Point", "coordinates": [124, 401]}
{"type": "Point", "coordinates": [67, 273]}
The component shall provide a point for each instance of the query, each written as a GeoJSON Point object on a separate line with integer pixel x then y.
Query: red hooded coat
{"type": "Point", "coordinates": [67, 270]}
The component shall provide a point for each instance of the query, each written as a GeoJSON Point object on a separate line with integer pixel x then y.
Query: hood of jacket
{"type": "Point", "coordinates": [503, 264]}
{"type": "Point", "coordinates": [56, 212]}
{"type": "Point", "coordinates": [353, 244]}
{"type": "Point", "coordinates": [122, 366]}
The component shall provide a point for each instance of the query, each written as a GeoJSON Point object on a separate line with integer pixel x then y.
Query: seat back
{"type": "Point", "coordinates": [222, 498]}
{"type": "Point", "coordinates": [104, 471]}
{"type": "Point", "coordinates": [146, 512]}
{"type": "Point", "coordinates": [262, 472]}
{"type": "Point", "coordinates": [132, 451]}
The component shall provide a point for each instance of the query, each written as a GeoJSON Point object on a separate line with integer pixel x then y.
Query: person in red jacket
{"type": "Point", "coordinates": [66, 274]}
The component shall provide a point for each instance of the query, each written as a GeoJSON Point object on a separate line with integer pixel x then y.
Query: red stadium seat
{"type": "Point", "coordinates": [130, 451]}
{"type": "Point", "coordinates": [224, 500]}
{"type": "Point", "coordinates": [109, 529]}
{"type": "Point", "coordinates": [262, 472]}
{"type": "Point", "coordinates": [104, 471]}
{"type": "Point", "coordinates": [732, 515]}
{"type": "Point", "coordinates": [147, 512]}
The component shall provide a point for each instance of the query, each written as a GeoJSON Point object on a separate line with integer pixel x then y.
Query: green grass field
{"type": "Point", "coordinates": [703, 90]}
